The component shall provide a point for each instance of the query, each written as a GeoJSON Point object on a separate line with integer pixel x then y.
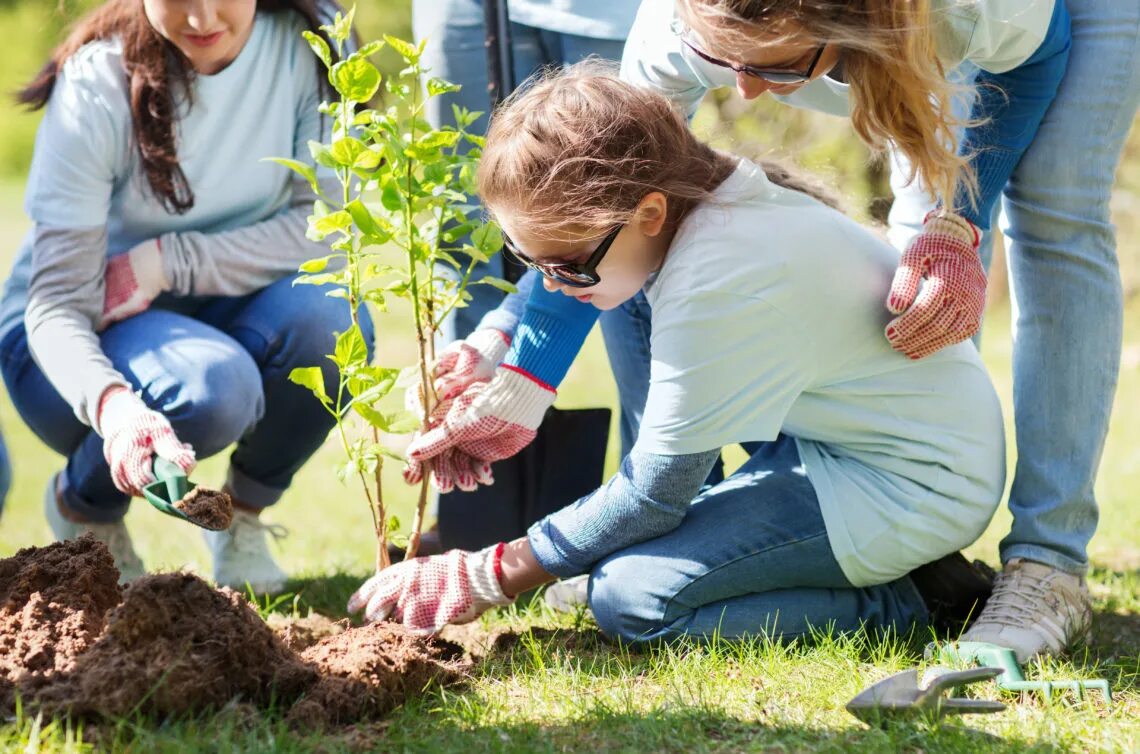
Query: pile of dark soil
{"type": "Point", "coordinates": [208, 508]}
{"type": "Point", "coordinates": [368, 671]}
{"type": "Point", "coordinates": [301, 633]}
{"type": "Point", "coordinates": [53, 606]}
{"type": "Point", "coordinates": [170, 644]}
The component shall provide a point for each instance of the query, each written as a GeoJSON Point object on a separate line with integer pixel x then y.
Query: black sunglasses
{"type": "Point", "coordinates": [573, 274]}
{"type": "Point", "coordinates": [771, 75]}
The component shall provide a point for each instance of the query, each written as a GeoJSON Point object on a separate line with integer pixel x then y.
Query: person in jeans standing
{"type": "Point", "coordinates": [151, 308]}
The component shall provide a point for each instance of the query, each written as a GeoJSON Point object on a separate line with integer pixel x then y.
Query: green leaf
{"type": "Point", "coordinates": [356, 78]}
{"type": "Point", "coordinates": [345, 150]}
{"type": "Point", "coordinates": [372, 416]}
{"type": "Point", "coordinates": [311, 378]}
{"type": "Point", "coordinates": [366, 222]}
{"type": "Point", "coordinates": [322, 155]}
{"type": "Point", "coordinates": [332, 222]}
{"type": "Point", "coordinates": [487, 238]}
{"type": "Point", "coordinates": [342, 25]}
{"type": "Point", "coordinates": [315, 265]}
{"type": "Point", "coordinates": [401, 422]}
{"type": "Point", "coordinates": [390, 197]}
{"type": "Point", "coordinates": [437, 86]}
{"type": "Point", "coordinates": [305, 170]}
{"type": "Point", "coordinates": [495, 282]}
{"type": "Point", "coordinates": [319, 46]}
{"type": "Point", "coordinates": [406, 50]}
{"type": "Point", "coordinates": [371, 48]}
{"type": "Point", "coordinates": [350, 348]}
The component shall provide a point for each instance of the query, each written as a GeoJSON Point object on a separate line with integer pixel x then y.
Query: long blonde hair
{"type": "Point", "coordinates": [900, 94]}
{"type": "Point", "coordinates": [576, 150]}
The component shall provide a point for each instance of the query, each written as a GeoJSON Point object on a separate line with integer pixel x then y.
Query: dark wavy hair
{"type": "Point", "coordinates": [158, 73]}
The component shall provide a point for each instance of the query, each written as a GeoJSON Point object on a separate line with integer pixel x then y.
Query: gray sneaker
{"type": "Point", "coordinates": [114, 535]}
{"type": "Point", "coordinates": [241, 554]}
{"type": "Point", "coordinates": [1035, 609]}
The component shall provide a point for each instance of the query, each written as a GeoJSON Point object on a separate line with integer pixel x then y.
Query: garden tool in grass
{"type": "Point", "coordinates": [967, 653]}
{"type": "Point", "coordinates": [175, 495]}
{"type": "Point", "coordinates": [900, 698]}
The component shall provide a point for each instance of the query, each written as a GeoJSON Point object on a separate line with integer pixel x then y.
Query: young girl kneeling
{"type": "Point", "coordinates": [761, 320]}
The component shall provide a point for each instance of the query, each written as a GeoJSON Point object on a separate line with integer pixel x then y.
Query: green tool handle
{"type": "Point", "coordinates": [173, 476]}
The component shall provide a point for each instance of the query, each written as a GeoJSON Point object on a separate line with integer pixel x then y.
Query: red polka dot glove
{"type": "Point", "coordinates": [132, 435]}
{"type": "Point", "coordinates": [949, 308]}
{"type": "Point", "coordinates": [450, 470]}
{"type": "Point", "coordinates": [488, 422]}
{"type": "Point", "coordinates": [471, 360]}
{"type": "Point", "coordinates": [132, 281]}
{"type": "Point", "coordinates": [428, 593]}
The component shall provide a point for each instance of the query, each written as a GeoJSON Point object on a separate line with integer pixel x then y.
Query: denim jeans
{"type": "Point", "coordinates": [218, 369]}
{"type": "Point", "coordinates": [1065, 286]}
{"type": "Point", "coordinates": [5, 473]}
{"type": "Point", "coordinates": [751, 555]}
{"type": "Point", "coordinates": [455, 52]}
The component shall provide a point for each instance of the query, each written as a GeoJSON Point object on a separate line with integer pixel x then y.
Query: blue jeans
{"type": "Point", "coordinates": [456, 53]}
{"type": "Point", "coordinates": [751, 555]}
{"type": "Point", "coordinates": [1065, 286]}
{"type": "Point", "coordinates": [5, 473]}
{"type": "Point", "coordinates": [218, 369]}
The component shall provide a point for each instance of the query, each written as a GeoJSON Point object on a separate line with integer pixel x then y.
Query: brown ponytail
{"type": "Point", "coordinates": [158, 76]}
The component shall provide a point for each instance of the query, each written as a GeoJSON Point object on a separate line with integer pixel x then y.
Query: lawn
{"type": "Point", "coordinates": [564, 689]}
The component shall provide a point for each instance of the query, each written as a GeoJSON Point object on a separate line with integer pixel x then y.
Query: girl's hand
{"type": "Point", "coordinates": [132, 281]}
{"type": "Point", "coordinates": [949, 309]}
{"type": "Point", "coordinates": [460, 365]}
{"type": "Point", "coordinates": [132, 435]}
{"type": "Point", "coordinates": [473, 359]}
{"type": "Point", "coordinates": [426, 594]}
{"type": "Point", "coordinates": [488, 422]}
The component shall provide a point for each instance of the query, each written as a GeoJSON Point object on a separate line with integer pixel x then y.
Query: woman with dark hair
{"type": "Point", "coordinates": [150, 311]}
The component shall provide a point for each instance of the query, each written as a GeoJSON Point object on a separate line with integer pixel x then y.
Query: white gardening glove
{"type": "Point", "coordinates": [488, 422]}
{"type": "Point", "coordinates": [428, 593]}
{"type": "Point", "coordinates": [132, 281]}
{"type": "Point", "coordinates": [132, 435]}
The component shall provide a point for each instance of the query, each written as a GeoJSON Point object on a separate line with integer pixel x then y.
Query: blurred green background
{"type": "Point", "coordinates": [330, 525]}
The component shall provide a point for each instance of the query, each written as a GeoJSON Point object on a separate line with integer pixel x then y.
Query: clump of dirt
{"type": "Point", "coordinates": [368, 671]}
{"type": "Point", "coordinates": [176, 645]}
{"type": "Point", "coordinates": [210, 509]}
{"type": "Point", "coordinates": [53, 606]}
{"type": "Point", "coordinates": [301, 633]}
{"type": "Point", "coordinates": [72, 642]}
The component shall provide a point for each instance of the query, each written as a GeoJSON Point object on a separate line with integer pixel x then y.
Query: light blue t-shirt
{"type": "Point", "coordinates": [597, 19]}
{"type": "Point", "coordinates": [85, 171]}
{"type": "Point", "coordinates": [907, 457]}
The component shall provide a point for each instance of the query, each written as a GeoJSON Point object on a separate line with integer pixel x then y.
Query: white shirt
{"type": "Point", "coordinates": [767, 318]}
{"type": "Point", "coordinates": [597, 19]}
{"type": "Point", "coordinates": [994, 35]}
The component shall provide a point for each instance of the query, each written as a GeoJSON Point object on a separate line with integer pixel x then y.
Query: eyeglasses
{"type": "Point", "coordinates": [771, 75]}
{"type": "Point", "coordinates": [573, 274]}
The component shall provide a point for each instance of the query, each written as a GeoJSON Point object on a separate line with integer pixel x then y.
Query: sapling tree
{"type": "Point", "coordinates": [398, 211]}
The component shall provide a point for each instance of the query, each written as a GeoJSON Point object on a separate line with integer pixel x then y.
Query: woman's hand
{"type": "Point", "coordinates": [949, 309]}
{"type": "Point", "coordinates": [426, 594]}
{"type": "Point", "coordinates": [132, 435]}
{"type": "Point", "coordinates": [489, 421]}
{"type": "Point", "coordinates": [132, 281]}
